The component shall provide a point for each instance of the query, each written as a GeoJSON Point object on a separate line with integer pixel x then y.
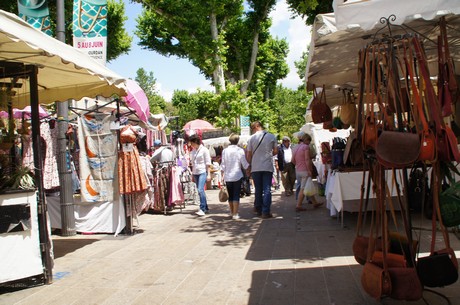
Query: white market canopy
{"type": "Point", "coordinates": [63, 71]}
{"type": "Point", "coordinates": [337, 37]}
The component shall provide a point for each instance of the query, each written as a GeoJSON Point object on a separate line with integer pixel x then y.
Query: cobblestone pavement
{"type": "Point", "coordinates": [181, 258]}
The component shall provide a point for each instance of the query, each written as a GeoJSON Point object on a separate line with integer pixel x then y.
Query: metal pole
{"type": "Point", "coordinates": [65, 173]}
{"type": "Point", "coordinates": [45, 243]}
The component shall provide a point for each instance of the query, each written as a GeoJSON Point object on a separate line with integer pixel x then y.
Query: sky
{"type": "Point", "coordinates": [172, 73]}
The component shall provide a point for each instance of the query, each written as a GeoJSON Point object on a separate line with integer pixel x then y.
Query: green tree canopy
{"type": "Point", "coordinates": [310, 8]}
{"type": "Point", "coordinates": [222, 38]}
{"type": "Point", "coordinates": [147, 82]}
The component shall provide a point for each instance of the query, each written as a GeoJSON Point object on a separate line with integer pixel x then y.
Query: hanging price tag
{"type": "Point", "coordinates": [128, 147]}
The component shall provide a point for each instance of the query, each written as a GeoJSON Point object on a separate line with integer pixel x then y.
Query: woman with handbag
{"type": "Point", "coordinates": [304, 169]}
{"type": "Point", "coordinates": [201, 170]}
{"type": "Point", "coordinates": [233, 159]}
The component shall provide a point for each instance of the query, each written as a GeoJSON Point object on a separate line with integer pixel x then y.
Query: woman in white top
{"type": "Point", "coordinates": [233, 159]}
{"type": "Point", "coordinates": [200, 160]}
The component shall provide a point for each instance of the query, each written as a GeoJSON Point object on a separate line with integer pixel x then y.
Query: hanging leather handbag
{"type": "Point", "coordinates": [353, 154]}
{"type": "Point", "coordinates": [397, 149]}
{"type": "Point", "coordinates": [326, 157]}
{"type": "Point", "coordinates": [405, 284]}
{"type": "Point", "coordinates": [375, 280]}
{"type": "Point", "coordinates": [446, 142]}
{"type": "Point", "coordinates": [337, 122]}
{"type": "Point", "coordinates": [393, 260]}
{"type": "Point", "coordinates": [427, 137]}
{"type": "Point", "coordinates": [320, 111]}
{"type": "Point", "coordinates": [348, 111]}
{"type": "Point", "coordinates": [438, 269]}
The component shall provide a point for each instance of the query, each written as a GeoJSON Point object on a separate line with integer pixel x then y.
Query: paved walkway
{"type": "Point", "coordinates": [295, 258]}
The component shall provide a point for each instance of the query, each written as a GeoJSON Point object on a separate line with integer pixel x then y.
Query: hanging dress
{"type": "Point", "coordinates": [131, 176]}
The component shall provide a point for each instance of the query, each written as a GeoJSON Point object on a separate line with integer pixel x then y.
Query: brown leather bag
{"type": "Point", "coordinates": [375, 280]}
{"type": "Point", "coordinates": [348, 111]}
{"type": "Point", "coordinates": [427, 137]}
{"type": "Point", "coordinates": [393, 260]}
{"type": "Point", "coordinates": [397, 149]}
{"type": "Point", "coordinates": [320, 111]}
{"type": "Point", "coordinates": [405, 284]}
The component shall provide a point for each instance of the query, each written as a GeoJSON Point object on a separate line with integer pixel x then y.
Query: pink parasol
{"type": "Point", "coordinates": [198, 125]}
{"type": "Point", "coordinates": [27, 112]}
{"type": "Point", "coordinates": [137, 100]}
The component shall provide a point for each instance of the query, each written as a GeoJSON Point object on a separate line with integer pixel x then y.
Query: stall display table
{"type": "Point", "coordinates": [343, 190]}
{"type": "Point", "coordinates": [19, 241]}
{"type": "Point", "coordinates": [90, 217]}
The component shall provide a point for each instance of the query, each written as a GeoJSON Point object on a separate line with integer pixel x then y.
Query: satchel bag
{"type": "Point", "coordinates": [405, 284]}
{"type": "Point", "coordinates": [397, 149]}
{"type": "Point", "coordinates": [375, 280]}
{"type": "Point", "coordinates": [438, 269]}
{"type": "Point", "coordinates": [320, 111]}
{"type": "Point", "coordinates": [348, 111]}
{"type": "Point", "coordinates": [326, 156]}
{"type": "Point", "coordinates": [353, 153]}
{"type": "Point", "coordinates": [449, 201]}
{"type": "Point", "coordinates": [223, 194]}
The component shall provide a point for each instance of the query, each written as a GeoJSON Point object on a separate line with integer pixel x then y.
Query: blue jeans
{"type": "Point", "coordinates": [200, 181]}
{"type": "Point", "coordinates": [262, 194]}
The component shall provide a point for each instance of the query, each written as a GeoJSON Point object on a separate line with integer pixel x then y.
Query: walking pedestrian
{"type": "Point", "coordinates": [200, 160]}
{"type": "Point", "coordinates": [285, 166]}
{"type": "Point", "coordinates": [233, 161]}
{"type": "Point", "coordinates": [262, 146]}
{"type": "Point", "coordinates": [304, 168]}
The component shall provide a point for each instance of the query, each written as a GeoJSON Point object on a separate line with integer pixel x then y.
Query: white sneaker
{"type": "Point", "coordinates": [200, 213]}
{"type": "Point", "coordinates": [236, 216]}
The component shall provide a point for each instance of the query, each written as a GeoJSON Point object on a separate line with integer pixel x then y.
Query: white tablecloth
{"type": "Point", "coordinates": [343, 190]}
{"type": "Point", "coordinates": [90, 217]}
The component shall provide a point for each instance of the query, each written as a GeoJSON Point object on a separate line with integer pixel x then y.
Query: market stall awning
{"type": "Point", "coordinates": [333, 53]}
{"type": "Point", "coordinates": [64, 72]}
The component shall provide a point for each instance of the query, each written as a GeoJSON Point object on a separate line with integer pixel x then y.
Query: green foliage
{"type": "Point", "coordinates": [184, 29]}
{"type": "Point", "coordinates": [310, 8]}
{"type": "Point", "coordinates": [232, 105]}
{"type": "Point", "coordinates": [291, 105]}
{"type": "Point", "coordinates": [301, 65]}
{"type": "Point", "coordinates": [147, 82]}
{"type": "Point", "coordinates": [199, 105]}
{"type": "Point", "coordinates": [118, 40]}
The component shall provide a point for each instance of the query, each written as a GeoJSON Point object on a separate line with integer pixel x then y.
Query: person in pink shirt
{"type": "Point", "coordinates": [303, 168]}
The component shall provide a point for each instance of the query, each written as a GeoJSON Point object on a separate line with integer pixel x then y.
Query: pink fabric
{"type": "Point", "coordinates": [137, 100]}
{"type": "Point", "coordinates": [301, 155]}
{"type": "Point", "coordinates": [176, 195]}
{"type": "Point", "coordinates": [50, 169]}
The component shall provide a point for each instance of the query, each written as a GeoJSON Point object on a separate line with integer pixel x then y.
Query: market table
{"type": "Point", "coordinates": [343, 190]}
{"type": "Point", "coordinates": [90, 217]}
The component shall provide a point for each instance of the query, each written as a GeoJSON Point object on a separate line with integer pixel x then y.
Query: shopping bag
{"type": "Point", "coordinates": [311, 189]}
{"type": "Point", "coordinates": [223, 194]}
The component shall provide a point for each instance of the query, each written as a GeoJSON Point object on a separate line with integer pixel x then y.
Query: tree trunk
{"type": "Point", "coordinates": [252, 63]}
{"type": "Point", "coordinates": [218, 73]}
